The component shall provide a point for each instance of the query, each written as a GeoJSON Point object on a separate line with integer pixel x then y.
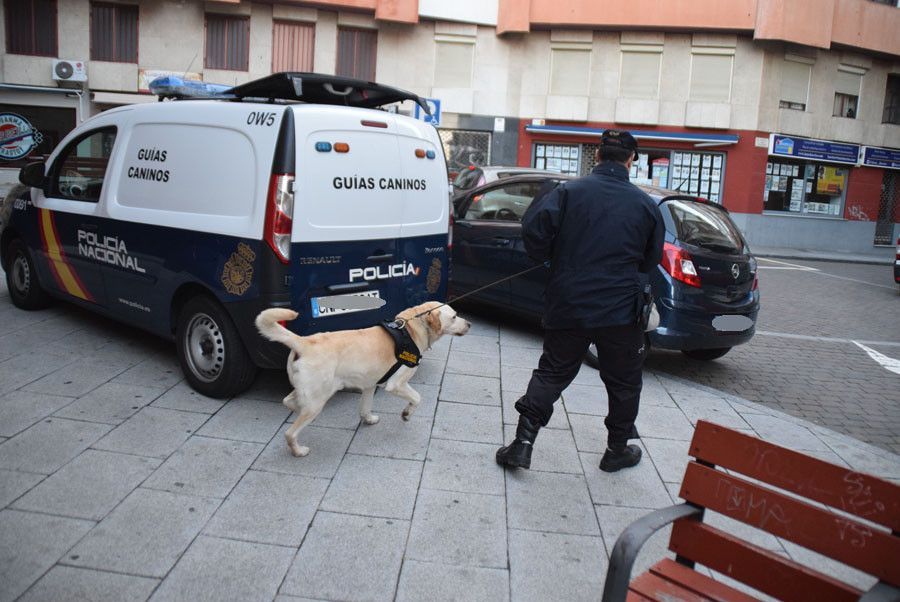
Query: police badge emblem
{"type": "Point", "coordinates": [433, 281]}
{"type": "Point", "coordinates": [237, 275]}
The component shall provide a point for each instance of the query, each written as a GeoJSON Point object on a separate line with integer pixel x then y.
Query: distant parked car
{"type": "Point", "coordinates": [473, 176]}
{"type": "Point", "coordinates": [706, 284]}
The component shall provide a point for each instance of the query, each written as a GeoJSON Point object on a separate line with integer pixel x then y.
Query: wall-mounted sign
{"type": "Point", "coordinates": [17, 137]}
{"type": "Point", "coordinates": [816, 150]}
{"type": "Point", "coordinates": [434, 104]}
{"type": "Point", "coordinates": [874, 156]}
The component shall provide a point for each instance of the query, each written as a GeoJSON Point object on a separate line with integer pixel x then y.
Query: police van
{"type": "Point", "coordinates": [186, 218]}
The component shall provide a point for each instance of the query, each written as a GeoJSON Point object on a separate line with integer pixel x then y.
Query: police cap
{"type": "Point", "coordinates": [620, 139]}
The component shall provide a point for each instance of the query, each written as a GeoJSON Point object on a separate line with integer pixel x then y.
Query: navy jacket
{"type": "Point", "coordinates": [602, 235]}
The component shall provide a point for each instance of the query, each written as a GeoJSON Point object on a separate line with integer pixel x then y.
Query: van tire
{"type": "Point", "coordinates": [210, 350]}
{"type": "Point", "coordinates": [22, 281]}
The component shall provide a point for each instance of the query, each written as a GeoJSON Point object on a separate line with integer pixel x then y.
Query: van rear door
{"type": "Point", "coordinates": [365, 208]}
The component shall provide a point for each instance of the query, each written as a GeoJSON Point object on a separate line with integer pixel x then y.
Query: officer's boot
{"type": "Point", "coordinates": [518, 453]}
{"type": "Point", "coordinates": [624, 457]}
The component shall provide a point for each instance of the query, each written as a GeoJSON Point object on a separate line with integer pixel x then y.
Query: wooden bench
{"type": "Point", "coordinates": [808, 502]}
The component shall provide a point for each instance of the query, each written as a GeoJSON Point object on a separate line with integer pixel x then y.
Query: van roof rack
{"type": "Point", "coordinates": [323, 89]}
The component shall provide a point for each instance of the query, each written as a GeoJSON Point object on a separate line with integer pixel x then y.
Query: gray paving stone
{"type": "Point", "coordinates": [430, 372]}
{"type": "Point", "coordinates": [586, 399]}
{"type": "Point", "coordinates": [341, 411]}
{"type": "Point", "coordinates": [881, 464]}
{"type": "Point", "coordinates": [653, 393]}
{"type": "Point", "coordinates": [546, 501]}
{"type": "Point", "coordinates": [473, 343]}
{"type": "Point", "coordinates": [670, 456]}
{"type": "Point", "coordinates": [112, 403]}
{"type": "Point", "coordinates": [613, 521]}
{"type": "Point", "coordinates": [70, 583]}
{"type": "Point", "coordinates": [223, 569]}
{"type": "Point", "coordinates": [270, 385]}
{"type": "Point", "coordinates": [712, 410]}
{"type": "Point", "coordinates": [520, 357]}
{"type": "Point", "coordinates": [551, 566]}
{"type": "Point", "coordinates": [476, 364]}
{"type": "Point", "coordinates": [467, 422]}
{"type": "Point", "coordinates": [828, 566]}
{"type": "Point", "coordinates": [743, 531]}
{"type": "Point", "coordinates": [246, 420]}
{"type": "Point", "coordinates": [269, 507]}
{"type": "Point", "coordinates": [21, 409]}
{"type": "Point", "coordinates": [426, 581]}
{"type": "Point", "coordinates": [183, 397]}
{"type": "Point", "coordinates": [77, 378]}
{"type": "Point", "coordinates": [391, 405]}
{"type": "Point", "coordinates": [154, 432]}
{"type": "Point", "coordinates": [514, 337]}
{"type": "Point", "coordinates": [393, 438]}
{"type": "Point", "coordinates": [480, 327]}
{"type": "Point", "coordinates": [458, 528]}
{"type": "Point", "coordinates": [14, 483]}
{"type": "Point", "coordinates": [205, 466]}
{"type": "Point", "coordinates": [145, 534]}
{"type": "Point", "coordinates": [347, 557]}
{"type": "Point", "coordinates": [663, 423]}
{"type": "Point", "coordinates": [780, 432]}
{"type": "Point", "coordinates": [589, 432]}
{"type": "Point", "coordinates": [326, 450]}
{"type": "Point", "coordinates": [588, 376]}
{"type": "Point", "coordinates": [373, 486]}
{"type": "Point", "coordinates": [462, 466]}
{"type": "Point", "coordinates": [160, 370]}
{"type": "Point", "coordinates": [515, 379]}
{"type": "Point", "coordinates": [89, 486]}
{"type": "Point", "coordinates": [49, 444]}
{"type": "Point", "coordinates": [24, 368]}
{"type": "Point", "coordinates": [478, 390]}
{"type": "Point", "coordinates": [30, 544]}
{"type": "Point", "coordinates": [440, 349]}
{"type": "Point", "coordinates": [559, 419]}
{"type": "Point", "coordinates": [636, 487]}
{"type": "Point", "coordinates": [554, 450]}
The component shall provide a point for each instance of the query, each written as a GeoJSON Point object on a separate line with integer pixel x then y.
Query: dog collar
{"type": "Point", "coordinates": [405, 349]}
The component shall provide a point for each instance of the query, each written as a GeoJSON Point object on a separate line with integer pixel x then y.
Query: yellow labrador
{"type": "Point", "coordinates": [322, 364]}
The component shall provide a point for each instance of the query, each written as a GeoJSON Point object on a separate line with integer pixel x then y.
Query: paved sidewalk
{"type": "Point", "coordinates": [117, 482]}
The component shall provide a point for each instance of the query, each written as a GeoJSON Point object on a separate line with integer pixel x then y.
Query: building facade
{"type": "Point", "coordinates": [785, 111]}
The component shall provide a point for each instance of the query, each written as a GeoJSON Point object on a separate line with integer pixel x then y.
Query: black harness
{"type": "Point", "coordinates": [405, 349]}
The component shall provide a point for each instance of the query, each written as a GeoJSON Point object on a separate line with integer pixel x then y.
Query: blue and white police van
{"type": "Point", "coordinates": [186, 218]}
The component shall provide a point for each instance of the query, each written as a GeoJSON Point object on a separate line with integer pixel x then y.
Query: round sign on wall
{"type": "Point", "coordinates": [17, 137]}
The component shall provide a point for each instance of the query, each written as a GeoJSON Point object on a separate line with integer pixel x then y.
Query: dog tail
{"type": "Point", "coordinates": [267, 322]}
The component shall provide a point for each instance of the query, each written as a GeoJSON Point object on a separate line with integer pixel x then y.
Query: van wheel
{"type": "Point", "coordinates": [21, 279]}
{"type": "Point", "coordinates": [210, 350]}
{"type": "Point", "coordinates": [706, 354]}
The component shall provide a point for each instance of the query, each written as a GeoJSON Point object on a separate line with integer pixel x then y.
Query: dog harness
{"type": "Point", "coordinates": [405, 349]}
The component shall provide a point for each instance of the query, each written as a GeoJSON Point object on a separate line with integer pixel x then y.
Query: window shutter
{"type": "Point", "coordinates": [795, 82]}
{"type": "Point", "coordinates": [640, 75]}
{"type": "Point", "coordinates": [293, 46]}
{"type": "Point", "coordinates": [847, 83]}
{"type": "Point", "coordinates": [453, 64]}
{"type": "Point", "coordinates": [570, 72]}
{"type": "Point", "coordinates": [356, 53]}
{"type": "Point", "coordinates": [711, 77]}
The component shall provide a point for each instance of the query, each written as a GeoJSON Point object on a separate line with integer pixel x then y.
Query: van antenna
{"type": "Point", "coordinates": [191, 64]}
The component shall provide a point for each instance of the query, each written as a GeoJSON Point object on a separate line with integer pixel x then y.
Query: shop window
{"type": "Point", "coordinates": [639, 73]}
{"type": "Point", "coordinates": [570, 72]}
{"type": "Point", "coordinates": [699, 174]}
{"type": "Point", "coordinates": [711, 75]}
{"type": "Point", "coordinates": [453, 62]}
{"type": "Point", "coordinates": [31, 133]}
{"type": "Point", "coordinates": [806, 188]}
{"type": "Point", "coordinates": [795, 75]}
{"type": "Point", "coordinates": [356, 53]}
{"type": "Point", "coordinates": [227, 42]}
{"type": "Point", "coordinates": [891, 112]}
{"type": "Point", "coordinates": [114, 32]}
{"type": "Point", "coordinates": [79, 171]}
{"type": "Point", "coordinates": [31, 27]}
{"type": "Point", "coordinates": [293, 46]}
{"type": "Point", "coordinates": [846, 92]}
{"type": "Point", "coordinates": [562, 158]}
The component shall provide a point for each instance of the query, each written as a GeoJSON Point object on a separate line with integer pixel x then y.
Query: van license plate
{"type": "Point", "coordinates": [323, 307]}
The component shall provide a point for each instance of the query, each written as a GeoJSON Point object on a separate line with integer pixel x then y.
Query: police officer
{"type": "Point", "coordinates": [601, 236]}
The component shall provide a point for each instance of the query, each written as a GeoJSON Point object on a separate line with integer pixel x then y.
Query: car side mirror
{"type": "Point", "coordinates": [33, 175]}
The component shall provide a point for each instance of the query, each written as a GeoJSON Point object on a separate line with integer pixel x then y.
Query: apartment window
{"type": "Point", "coordinates": [892, 100]}
{"type": "Point", "coordinates": [453, 60]}
{"type": "Point", "coordinates": [114, 32]}
{"type": "Point", "coordinates": [31, 27]}
{"type": "Point", "coordinates": [293, 46]}
{"type": "Point", "coordinates": [227, 42]}
{"type": "Point", "coordinates": [711, 74]}
{"type": "Point", "coordinates": [795, 75]}
{"type": "Point", "coordinates": [356, 53]}
{"type": "Point", "coordinates": [846, 92]}
{"type": "Point", "coordinates": [639, 76]}
{"type": "Point", "coordinates": [570, 71]}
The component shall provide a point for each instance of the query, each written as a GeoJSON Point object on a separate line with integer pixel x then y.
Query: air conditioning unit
{"type": "Point", "coordinates": [69, 71]}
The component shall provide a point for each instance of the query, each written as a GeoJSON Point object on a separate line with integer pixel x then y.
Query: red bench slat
{"type": "Point", "coordinates": [656, 588]}
{"type": "Point", "coordinates": [762, 569]}
{"type": "Point", "coordinates": [828, 533]}
{"type": "Point", "coordinates": [862, 495]}
{"type": "Point", "coordinates": [698, 582]}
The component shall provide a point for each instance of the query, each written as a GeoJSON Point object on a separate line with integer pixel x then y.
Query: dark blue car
{"type": "Point", "coordinates": [706, 284]}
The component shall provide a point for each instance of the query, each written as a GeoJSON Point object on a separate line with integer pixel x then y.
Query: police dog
{"type": "Point", "coordinates": [322, 364]}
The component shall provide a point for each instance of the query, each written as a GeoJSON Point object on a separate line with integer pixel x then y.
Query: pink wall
{"type": "Point", "coordinates": [806, 22]}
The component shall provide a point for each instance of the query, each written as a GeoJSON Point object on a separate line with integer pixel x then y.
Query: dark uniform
{"type": "Point", "coordinates": [601, 235]}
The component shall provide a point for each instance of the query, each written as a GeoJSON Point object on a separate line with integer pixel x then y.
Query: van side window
{"type": "Point", "coordinates": [79, 170]}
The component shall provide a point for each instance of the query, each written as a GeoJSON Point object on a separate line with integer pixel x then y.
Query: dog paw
{"type": "Point", "coordinates": [371, 419]}
{"type": "Point", "coordinates": [404, 415]}
{"type": "Point", "coordinates": [299, 451]}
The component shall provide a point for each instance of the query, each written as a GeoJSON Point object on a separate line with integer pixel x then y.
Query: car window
{"type": "Point", "coordinates": [704, 226]}
{"type": "Point", "coordinates": [81, 167]}
{"type": "Point", "coordinates": [504, 203]}
{"type": "Point", "coordinates": [468, 178]}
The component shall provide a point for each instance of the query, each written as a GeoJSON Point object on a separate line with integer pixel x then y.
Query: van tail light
{"type": "Point", "coordinates": [677, 262]}
{"type": "Point", "coordinates": [450, 229]}
{"type": "Point", "coordinates": [279, 214]}
{"type": "Point", "coordinates": [755, 282]}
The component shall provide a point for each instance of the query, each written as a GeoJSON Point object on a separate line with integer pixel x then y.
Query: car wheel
{"type": "Point", "coordinates": [210, 350]}
{"type": "Point", "coordinates": [706, 354]}
{"type": "Point", "coordinates": [21, 279]}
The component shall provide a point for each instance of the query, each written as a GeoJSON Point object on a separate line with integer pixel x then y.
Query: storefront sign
{"type": "Point", "coordinates": [17, 137]}
{"type": "Point", "coordinates": [874, 156]}
{"type": "Point", "coordinates": [816, 150]}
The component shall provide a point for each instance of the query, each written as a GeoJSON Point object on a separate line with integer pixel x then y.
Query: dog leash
{"type": "Point", "coordinates": [486, 286]}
